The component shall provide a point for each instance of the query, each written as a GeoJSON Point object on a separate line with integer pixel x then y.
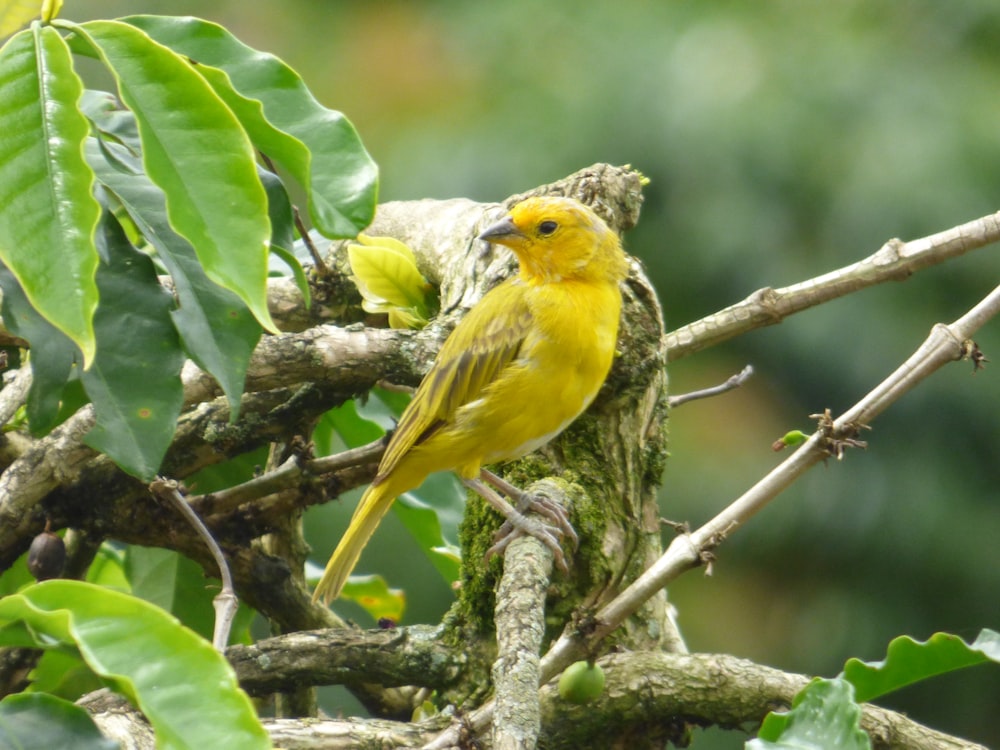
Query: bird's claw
{"type": "Point", "coordinates": [549, 534]}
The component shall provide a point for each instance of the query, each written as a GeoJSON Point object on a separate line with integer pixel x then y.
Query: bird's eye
{"type": "Point", "coordinates": [547, 227]}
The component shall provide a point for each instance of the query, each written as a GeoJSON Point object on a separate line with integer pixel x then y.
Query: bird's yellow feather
{"type": "Point", "coordinates": [521, 365]}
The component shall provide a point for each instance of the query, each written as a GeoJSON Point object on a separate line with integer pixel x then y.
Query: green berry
{"type": "Point", "coordinates": [582, 682]}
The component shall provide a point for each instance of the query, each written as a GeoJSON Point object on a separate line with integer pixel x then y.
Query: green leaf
{"type": "Point", "coordinates": [108, 569]}
{"type": "Point", "coordinates": [48, 213]}
{"type": "Point", "coordinates": [301, 282]}
{"type": "Point", "coordinates": [318, 146]}
{"type": "Point", "coordinates": [135, 381]}
{"type": "Point", "coordinates": [195, 150]}
{"type": "Point", "coordinates": [170, 673]}
{"type": "Point", "coordinates": [52, 355]}
{"type": "Point", "coordinates": [824, 716]}
{"type": "Point", "coordinates": [217, 329]}
{"type": "Point", "coordinates": [63, 674]}
{"type": "Point", "coordinates": [38, 720]}
{"type": "Point", "coordinates": [908, 661]}
{"type": "Point", "coordinates": [438, 503]}
{"type": "Point", "coordinates": [279, 210]}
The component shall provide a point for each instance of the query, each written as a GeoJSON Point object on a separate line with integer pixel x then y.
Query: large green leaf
{"type": "Point", "coordinates": [171, 674]}
{"type": "Point", "coordinates": [135, 380]}
{"type": "Point", "coordinates": [38, 720]}
{"type": "Point", "coordinates": [195, 150]}
{"type": "Point", "coordinates": [217, 329]}
{"type": "Point", "coordinates": [318, 146]}
{"type": "Point", "coordinates": [908, 661]}
{"type": "Point", "coordinates": [47, 209]}
{"type": "Point", "coordinates": [824, 716]}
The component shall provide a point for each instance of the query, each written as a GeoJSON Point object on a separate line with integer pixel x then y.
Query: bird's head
{"type": "Point", "coordinates": [558, 238]}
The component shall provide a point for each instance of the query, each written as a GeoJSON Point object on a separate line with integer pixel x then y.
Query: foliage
{"type": "Point", "coordinates": [177, 185]}
{"type": "Point", "coordinates": [825, 714]}
{"type": "Point", "coordinates": [145, 654]}
{"type": "Point", "coordinates": [151, 190]}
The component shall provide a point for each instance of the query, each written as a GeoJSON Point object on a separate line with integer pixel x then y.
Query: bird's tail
{"type": "Point", "coordinates": [373, 506]}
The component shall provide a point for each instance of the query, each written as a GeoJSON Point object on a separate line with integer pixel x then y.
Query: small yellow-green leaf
{"type": "Point", "coordinates": [374, 594]}
{"type": "Point", "coordinates": [404, 317]}
{"type": "Point", "coordinates": [386, 273]}
{"type": "Point", "coordinates": [389, 243]}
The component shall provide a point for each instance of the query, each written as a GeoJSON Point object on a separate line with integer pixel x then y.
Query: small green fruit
{"type": "Point", "coordinates": [582, 682]}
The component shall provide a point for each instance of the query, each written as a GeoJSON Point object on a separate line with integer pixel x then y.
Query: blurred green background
{"type": "Point", "coordinates": [783, 139]}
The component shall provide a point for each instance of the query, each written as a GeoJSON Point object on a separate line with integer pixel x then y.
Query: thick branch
{"type": "Point", "coordinates": [520, 624]}
{"type": "Point", "coordinates": [676, 690]}
{"type": "Point", "coordinates": [412, 655]}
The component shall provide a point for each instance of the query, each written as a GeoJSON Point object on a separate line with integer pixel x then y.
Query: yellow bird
{"type": "Point", "coordinates": [515, 372]}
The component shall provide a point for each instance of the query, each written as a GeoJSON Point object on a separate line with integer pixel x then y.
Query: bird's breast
{"type": "Point", "coordinates": [560, 367]}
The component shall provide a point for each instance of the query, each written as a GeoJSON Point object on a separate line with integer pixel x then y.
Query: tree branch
{"type": "Point", "coordinates": [520, 624]}
{"type": "Point", "coordinates": [894, 261]}
{"type": "Point", "coordinates": [412, 655]}
{"type": "Point", "coordinates": [944, 344]}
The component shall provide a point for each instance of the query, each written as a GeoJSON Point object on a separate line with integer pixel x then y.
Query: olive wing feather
{"type": "Point", "coordinates": [485, 342]}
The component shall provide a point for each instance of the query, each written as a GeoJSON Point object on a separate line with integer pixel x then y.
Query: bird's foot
{"type": "Point", "coordinates": [518, 525]}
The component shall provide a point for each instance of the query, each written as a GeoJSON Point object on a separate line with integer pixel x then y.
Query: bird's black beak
{"type": "Point", "coordinates": [503, 229]}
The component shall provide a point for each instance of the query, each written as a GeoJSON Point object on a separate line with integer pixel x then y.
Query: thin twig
{"type": "Point", "coordinates": [287, 476]}
{"type": "Point", "coordinates": [734, 382]}
{"type": "Point", "coordinates": [225, 602]}
{"type": "Point", "coordinates": [318, 263]}
{"type": "Point", "coordinates": [895, 261]}
{"type": "Point", "coordinates": [946, 343]}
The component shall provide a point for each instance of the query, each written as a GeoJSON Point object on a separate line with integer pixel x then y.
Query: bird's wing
{"type": "Point", "coordinates": [473, 356]}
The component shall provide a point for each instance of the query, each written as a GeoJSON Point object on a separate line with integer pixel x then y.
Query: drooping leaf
{"type": "Point", "coordinates": [166, 670]}
{"type": "Point", "coordinates": [52, 355]}
{"type": "Point", "coordinates": [135, 381]}
{"type": "Point", "coordinates": [63, 674]}
{"type": "Point", "coordinates": [425, 513]}
{"type": "Point", "coordinates": [217, 329]}
{"type": "Point", "coordinates": [48, 213]}
{"type": "Point", "coordinates": [29, 720]}
{"type": "Point", "coordinates": [824, 716]}
{"type": "Point", "coordinates": [279, 208]}
{"type": "Point", "coordinates": [318, 146]}
{"type": "Point", "coordinates": [908, 661]}
{"type": "Point", "coordinates": [195, 150]}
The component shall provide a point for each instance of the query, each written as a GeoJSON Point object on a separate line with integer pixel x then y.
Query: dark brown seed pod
{"type": "Point", "coordinates": [46, 556]}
